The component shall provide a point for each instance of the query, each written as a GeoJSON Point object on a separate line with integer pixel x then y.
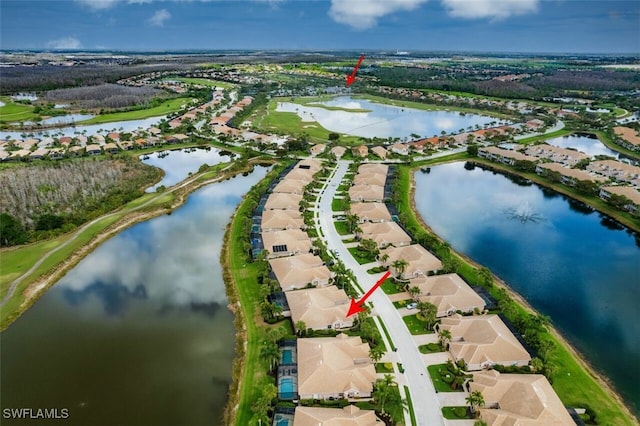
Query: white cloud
{"type": "Point", "coordinates": [364, 14]}
{"type": "Point", "coordinates": [98, 4]}
{"type": "Point", "coordinates": [160, 17]}
{"type": "Point", "coordinates": [65, 43]}
{"type": "Point", "coordinates": [494, 9]}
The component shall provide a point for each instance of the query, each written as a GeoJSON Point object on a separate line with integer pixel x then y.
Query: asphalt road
{"type": "Point", "coordinates": [423, 394]}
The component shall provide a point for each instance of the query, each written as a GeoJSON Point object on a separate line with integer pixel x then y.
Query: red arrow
{"type": "Point", "coordinates": [356, 307]}
{"type": "Point", "coordinates": [351, 78]}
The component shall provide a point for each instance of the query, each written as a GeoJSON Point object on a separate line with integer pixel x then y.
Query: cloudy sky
{"type": "Point", "coordinates": [557, 26]}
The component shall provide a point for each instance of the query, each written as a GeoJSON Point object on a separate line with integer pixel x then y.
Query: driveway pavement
{"type": "Point", "coordinates": [423, 395]}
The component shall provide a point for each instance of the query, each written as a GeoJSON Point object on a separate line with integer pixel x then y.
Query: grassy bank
{"type": "Point", "coordinates": [544, 137]}
{"type": "Point", "coordinates": [12, 111]}
{"type": "Point", "coordinates": [576, 384]}
{"type": "Point", "coordinates": [164, 108]}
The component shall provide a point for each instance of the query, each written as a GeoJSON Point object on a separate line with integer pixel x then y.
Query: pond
{"type": "Point", "coordinates": [138, 333]}
{"type": "Point", "coordinates": [177, 164]}
{"type": "Point", "coordinates": [384, 120]}
{"type": "Point", "coordinates": [569, 262]}
{"type": "Point", "coordinates": [66, 119]}
{"type": "Point", "coordinates": [588, 144]}
{"type": "Point", "coordinates": [89, 129]}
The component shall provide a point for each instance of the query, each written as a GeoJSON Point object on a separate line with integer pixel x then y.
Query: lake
{"type": "Point", "coordinates": [177, 164]}
{"type": "Point", "coordinates": [138, 333]}
{"type": "Point", "coordinates": [588, 144]}
{"type": "Point", "coordinates": [571, 263]}
{"type": "Point", "coordinates": [384, 120]}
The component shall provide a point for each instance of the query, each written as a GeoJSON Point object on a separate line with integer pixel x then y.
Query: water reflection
{"type": "Point", "coordinates": [383, 120]}
{"type": "Point", "coordinates": [177, 164]}
{"type": "Point", "coordinates": [575, 266]}
{"type": "Point", "coordinates": [588, 144]}
{"type": "Point", "coordinates": [138, 332]}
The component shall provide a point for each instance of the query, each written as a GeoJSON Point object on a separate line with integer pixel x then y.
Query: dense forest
{"type": "Point", "coordinates": [103, 96]}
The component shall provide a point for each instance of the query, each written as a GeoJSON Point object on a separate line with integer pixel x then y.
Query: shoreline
{"type": "Point", "coordinates": [602, 380]}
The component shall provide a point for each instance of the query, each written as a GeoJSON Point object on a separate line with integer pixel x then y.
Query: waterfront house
{"type": "Point", "coordinates": [504, 156]}
{"type": "Point", "coordinates": [627, 137]}
{"type": "Point", "coordinates": [320, 308]}
{"type": "Point", "coordinates": [19, 154]}
{"type": "Point", "coordinates": [616, 170]}
{"type": "Point", "coordinates": [632, 194]}
{"type": "Point", "coordinates": [568, 157]}
{"type": "Point", "coordinates": [334, 367]}
{"type": "Point", "coordinates": [111, 148]}
{"type": "Point", "coordinates": [300, 271]}
{"type": "Point", "coordinates": [449, 293]}
{"type": "Point", "coordinates": [290, 186]}
{"type": "Point", "coordinates": [420, 260]}
{"type": "Point", "coordinates": [56, 154]}
{"type": "Point", "coordinates": [286, 243]}
{"type": "Point", "coordinates": [125, 145]}
{"type": "Point", "coordinates": [380, 152]}
{"type": "Point", "coordinates": [280, 201]}
{"type": "Point", "coordinates": [371, 212]}
{"type": "Point", "coordinates": [385, 234]}
{"type": "Point", "coordinates": [568, 176]}
{"type": "Point", "coordinates": [367, 193]}
{"type": "Point", "coordinates": [38, 154]}
{"type": "Point", "coordinates": [4, 155]}
{"type": "Point", "coordinates": [373, 168]}
{"type": "Point", "coordinates": [181, 138]}
{"type": "Point", "coordinates": [76, 150]}
{"type": "Point", "coordinates": [114, 136]}
{"type": "Point", "coordinates": [93, 149]}
{"type": "Point", "coordinates": [483, 341]}
{"type": "Point", "coordinates": [347, 416]}
{"type": "Point", "coordinates": [370, 178]}
{"type": "Point", "coordinates": [400, 149]}
{"type": "Point", "coordinates": [519, 399]}
{"type": "Point", "coordinates": [274, 220]}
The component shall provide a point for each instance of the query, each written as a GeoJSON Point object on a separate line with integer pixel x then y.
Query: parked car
{"type": "Point", "coordinates": [412, 305]}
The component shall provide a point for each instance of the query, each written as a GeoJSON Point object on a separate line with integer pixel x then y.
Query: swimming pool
{"type": "Point", "coordinates": [287, 390]}
{"type": "Point", "coordinates": [287, 356]}
{"type": "Point", "coordinates": [282, 420]}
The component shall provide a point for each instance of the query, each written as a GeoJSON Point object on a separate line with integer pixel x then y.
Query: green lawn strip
{"type": "Point", "coordinates": [412, 413]}
{"type": "Point", "coordinates": [375, 270]}
{"type": "Point", "coordinates": [416, 325]}
{"type": "Point", "coordinates": [162, 109]}
{"type": "Point", "coordinates": [401, 303]}
{"type": "Point", "coordinates": [543, 137]}
{"type": "Point", "coordinates": [430, 348]}
{"type": "Point", "coordinates": [439, 374]}
{"type": "Point", "coordinates": [12, 111]}
{"type": "Point", "coordinates": [573, 383]}
{"type": "Point", "coordinates": [456, 413]}
{"type": "Point", "coordinates": [339, 205]}
{"type": "Point", "coordinates": [606, 140]}
{"type": "Point", "coordinates": [203, 82]}
{"type": "Point", "coordinates": [341, 227]}
{"type": "Point", "coordinates": [594, 201]}
{"type": "Point", "coordinates": [386, 333]}
{"type": "Point", "coordinates": [360, 256]}
{"type": "Point", "coordinates": [384, 367]}
{"type": "Point", "coordinates": [390, 288]}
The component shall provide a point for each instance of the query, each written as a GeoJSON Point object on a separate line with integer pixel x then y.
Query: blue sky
{"type": "Point", "coordinates": [555, 26]}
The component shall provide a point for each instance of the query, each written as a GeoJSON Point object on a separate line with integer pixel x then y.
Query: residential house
{"type": "Point", "coordinates": [483, 341]}
{"type": "Point", "coordinates": [400, 149]}
{"type": "Point", "coordinates": [565, 156]}
{"type": "Point", "coordinates": [373, 168]}
{"type": "Point", "coordinates": [56, 154]}
{"type": "Point", "coordinates": [125, 145]}
{"type": "Point", "coordinates": [380, 152]}
{"type": "Point", "coordinates": [420, 260]}
{"type": "Point", "coordinates": [505, 156]}
{"type": "Point", "coordinates": [334, 367]}
{"type": "Point", "coordinates": [385, 234]}
{"type": "Point", "coordinates": [38, 154]}
{"type": "Point", "coordinates": [281, 201]}
{"type": "Point", "coordinates": [290, 186]}
{"type": "Point", "coordinates": [93, 149]}
{"type": "Point", "coordinates": [320, 308]}
{"type": "Point", "coordinates": [347, 416]}
{"type": "Point", "coordinates": [370, 178]}
{"type": "Point", "coordinates": [318, 149]}
{"type": "Point", "coordinates": [632, 194]}
{"type": "Point", "coordinates": [19, 154]}
{"type": "Point", "coordinates": [371, 212]}
{"type": "Point", "coordinates": [338, 151]}
{"type": "Point", "coordinates": [367, 193]}
{"type": "Point", "coordinates": [519, 399]}
{"type": "Point", "coordinates": [568, 176]}
{"type": "Point", "coordinates": [76, 151]}
{"type": "Point", "coordinates": [111, 148]}
{"type": "Point", "coordinates": [300, 271]}
{"type": "Point", "coordinates": [286, 243]}
{"type": "Point", "coordinates": [449, 293]}
{"type": "Point", "coordinates": [275, 220]}
{"type": "Point", "coordinates": [628, 137]}
{"type": "Point", "coordinates": [616, 170]}
{"type": "Point", "coordinates": [114, 136]}
{"type": "Point", "coordinates": [181, 137]}
{"type": "Point", "coordinates": [360, 151]}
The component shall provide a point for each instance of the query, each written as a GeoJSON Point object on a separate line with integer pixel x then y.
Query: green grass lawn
{"type": "Point", "coordinates": [360, 256]}
{"type": "Point", "coordinates": [162, 109]}
{"type": "Point", "coordinates": [341, 227]}
{"type": "Point", "coordinates": [384, 367]}
{"type": "Point", "coordinates": [203, 82]}
{"type": "Point", "coordinates": [556, 134]}
{"type": "Point", "coordinates": [376, 270]}
{"type": "Point", "coordinates": [401, 303]}
{"type": "Point", "coordinates": [456, 413]}
{"type": "Point", "coordinates": [12, 111]}
{"type": "Point", "coordinates": [389, 287]}
{"type": "Point", "coordinates": [441, 377]}
{"type": "Point", "coordinates": [430, 348]}
{"type": "Point", "coordinates": [412, 413]}
{"type": "Point", "coordinates": [339, 205]}
{"type": "Point", "coordinates": [416, 325]}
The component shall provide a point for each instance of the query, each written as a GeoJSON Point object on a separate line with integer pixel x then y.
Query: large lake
{"type": "Point", "coordinates": [588, 144]}
{"type": "Point", "coordinates": [383, 120]}
{"type": "Point", "coordinates": [178, 163]}
{"type": "Point", "coordinates": [570, 263]}
{"type": "Point", "coordinates": [138, 333]}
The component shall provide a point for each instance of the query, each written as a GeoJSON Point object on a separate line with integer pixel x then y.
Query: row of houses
{"type": "Point", "coordinates": [598, 172]}
{"type": "Point", "coordinates": [217, 97]}
{"type": "Point", "coordinates": [627, 137]}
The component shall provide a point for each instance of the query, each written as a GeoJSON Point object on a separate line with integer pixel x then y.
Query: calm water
{"type": "Point", "coordinates": [138, 333]}
{"type": "Point", "coordinates": [383, 120]}
{"type": "Point", "coordinates": [179, 163]}
{"type": "Point", "coordinates": [590, 145]}
{"type": "Point", "coordinates": [569, 263]}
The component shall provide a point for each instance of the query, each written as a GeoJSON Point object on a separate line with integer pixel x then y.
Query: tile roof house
{"type": "Point", "coordinates": [628, 137]}
{"type": "Point", "coordinates": [449, 293]}
{"type": "Point", "coordinates": [347, 416]}
{"type": "Point", "coordinates": [380, 152]}
{"type": "Point", "coordinates": [569, 176]}
{"type": "Point", "coordinates": [385, 234]}
{"type": "Point", "coordinates": [274, 220]}
{"type": "Point", "coordinates": [296, 272]}
{"type": "Point", "coordinates": [286, 243]}
{"type": "Point", "coordinates": [421, 261]}
{"type": "Point", "coordinates": [370, 178]}
{"type": "Point", "coordinates": [400, 149]}
{"type": "Point", "coordinates": [338, 151]}
{"type": "Point", "coordinates": [616, 170]}
{"type": "Point", "coordinates": [334, 367]}
{"type": "Point", "coordinates": [483, 341]}
{"type": "Point", "coordinates": [280, 201]}
{"type": "Point", "coordinates": [290, 186]}
{"type": "Point", "coordinates": [111, 148]}
{"type": "Point", "coordinates": [632, 194]}
{"type": "Point", "coordinates": [320, 308]}
{"type": "Point", "coordinates": [505, 156]}
{"type": "Point", "coordinates": [318, 149]}
{"type": "Point", "coordinates": [556, 154]}
{"type": "Point", "coordinates": [366, 193]}
{"type": "Point", "coordinates": [373, 168]}
{"type": "Point", "coordinates": [93, 149]}
{"type": "Point", "coordinates": [519, 399]}
{"type": "Point", "coordinates": [371, 212]}
{"type": "Point", "coordinates": [361, 151]}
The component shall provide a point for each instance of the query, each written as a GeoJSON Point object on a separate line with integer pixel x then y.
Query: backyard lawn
{"type": "Point", "coordinates": [416, 325]}
{"type": "Point", "coordinates": [361, 256]}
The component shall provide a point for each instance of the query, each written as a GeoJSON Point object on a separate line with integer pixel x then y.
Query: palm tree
{"type": "Point", "coordinates": [301, 328]}
{"type": "Point", "coordinates": [480, 422]}
{"type": "Point", "coordinates": [475, 400]}
{"type": "Point", "coordinates": [444, 336]}
{"type": "Point", "coordinates": [384, 259]}
{"type": "Point", "coordinates": [414, 292]}
{"type": "Point", "coordinates": [376, 353]}
{"type": "Point", "coordinates": [536, 364]}
{"type": "Point", "coordinates": [428, 311]}
{"type": "Point", "coordinates": [400, 266]}
{"type": "Point", "coordinates": [352, 222]}
{"type": "Point", "coordinates": [270, 354]}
